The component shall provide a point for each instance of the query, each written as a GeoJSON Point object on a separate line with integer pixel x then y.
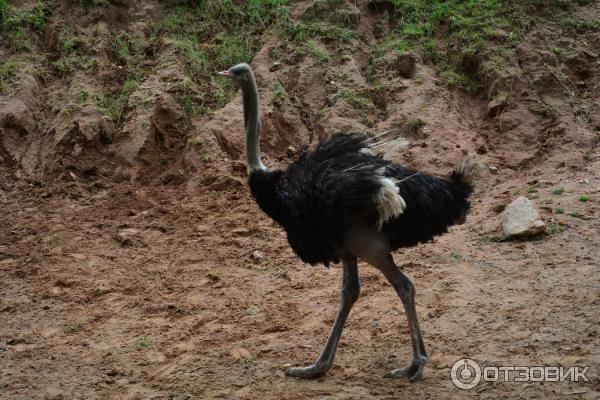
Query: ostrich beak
{"type": "Point", "coordinates": [226, 73]}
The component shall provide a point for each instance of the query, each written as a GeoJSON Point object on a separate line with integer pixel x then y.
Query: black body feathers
{"type": "Point", "coordinates": [336, 186]}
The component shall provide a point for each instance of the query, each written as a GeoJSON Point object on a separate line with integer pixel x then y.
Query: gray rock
{"type": "Point", "coordinates": [257, 255]}
{"type": "Point", "coordinates": [520, 218]}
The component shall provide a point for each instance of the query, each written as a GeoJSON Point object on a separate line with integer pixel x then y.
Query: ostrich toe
{"type": "Point", "coordinates": [413, 372]}
{"type": "Point", "coordinates": [310, 372]}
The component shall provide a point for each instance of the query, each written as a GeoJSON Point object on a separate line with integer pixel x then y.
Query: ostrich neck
{"type": "Point", "coordinates": [252, 125]}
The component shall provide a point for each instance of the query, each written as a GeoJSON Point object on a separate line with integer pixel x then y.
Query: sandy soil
{"type": "Point", "coordinates": [169, 283]}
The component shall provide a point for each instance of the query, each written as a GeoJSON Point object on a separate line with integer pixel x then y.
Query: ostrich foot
{"type": "Point", "coordinates": [413, 372]}
{"type": "Point", "coordinates": [310, 372]}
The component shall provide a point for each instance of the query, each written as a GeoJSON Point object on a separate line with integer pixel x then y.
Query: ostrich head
{"type": "Point", "coordinates": [242, 73]}
{"type": "Point", "coordinates": [239, 72]}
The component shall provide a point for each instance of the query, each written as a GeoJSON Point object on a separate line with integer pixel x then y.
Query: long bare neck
{"type": "Point", "coordinates": [252, 124]}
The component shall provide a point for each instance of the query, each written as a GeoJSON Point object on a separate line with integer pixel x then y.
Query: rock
{"type": "Point", "coordinates": [223, 182]}
{"type": "Point", "coordinates": [497, 105]}
{"type": "Point", "coordinates": [292, 151]}
{"type": "Point", "coordinates": [128, 237]}
{"type": "Point", "coordinates": [241, 232]}
{"type": "Point", "coordinates": [493, 169]}
{"type": "Point", "coordinates": [275, 66]}
{"type": "Point", "coordinates": [240, 353]}
{"type": "Point", "coordinates": [256, 255]}
{"type": "Point", "coordinates": [521, 219]}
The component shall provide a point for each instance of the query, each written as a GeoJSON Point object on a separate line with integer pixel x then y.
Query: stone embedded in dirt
{"type": "Point", "coordinates": [493, 169]}
{"type": "Point", "coordinates": [497, 104]}
{"type": "Point", "coordinates": [128, 237]}
{"type": "Point", "coordinates": [240, 353]}
{"type": "Point", "coordinates": [241, 231]}
{"type": "Point", "coordinates": [520, 219]}
{"type": "Point", "coordinates": [222, 182]}
{"type": "Point", "coordinates": [257, 255]}
{"type": "Point", "coordinates": [275, 66]}
{"type": "Point", "coordinates": [292, 151]}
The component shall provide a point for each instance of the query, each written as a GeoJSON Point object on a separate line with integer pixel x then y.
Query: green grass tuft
{"type": "Point", "coordinates": [464, 39]}
{"type": "Point", "coordinates": [74, 49]}
{"type": "Point", "coordinates": [416, 124]}
{"type": "Point", "coordinates": [208, 36]}
{"type": "Point", "coordinates": [143, 343]}
{"type": "Point", "coordinates": [277, 94]}
{"type": "Point", "coordinates": [21, 25]}
{"type": "Point", "coordinates": [9, 71]}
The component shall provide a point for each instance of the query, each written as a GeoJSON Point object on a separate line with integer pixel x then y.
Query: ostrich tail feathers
{"type": "Point", "coordinates": [385, 143]}
{"type": "Point", "coordinates": [468, 170]}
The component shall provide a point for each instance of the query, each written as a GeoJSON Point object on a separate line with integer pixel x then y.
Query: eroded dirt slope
{"type": "Point", "coordinates": [135, 264]}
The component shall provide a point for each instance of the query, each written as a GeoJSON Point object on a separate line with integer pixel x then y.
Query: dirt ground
{"type": "Point", "coordinates": [143, 269]}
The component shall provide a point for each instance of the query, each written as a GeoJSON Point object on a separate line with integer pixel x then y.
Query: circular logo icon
{"type": "Point", "coordinates": [465, 374]}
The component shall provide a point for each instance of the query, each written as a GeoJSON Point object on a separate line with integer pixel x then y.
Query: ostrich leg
{"type": "Point", "coordinates": [350, 293]}
{"type": "Point", "coordinates": [406, 292]}
{"type": "Point", "coordinates": [373, 247]}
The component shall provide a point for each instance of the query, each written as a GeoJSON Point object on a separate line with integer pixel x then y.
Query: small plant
{"type": "Point", "coordinates": [195, 141]}
{"type": "Point", "coordinates": [576, 214]}
{"type": "Point", "coordinates": [82, 96]}
{"type": "Point", "coordinates": [558, 191]}
{"type": "Point", "coordinates": [122, 49]}
{"type": "Point", "coordinates": [9, 71]}
{"type": "Point", "coordinates": [114, 105]}
{"type": "Point", "coordinates": [485, 238]}
{"type": "Point", "coordinates": [48, 242]}
{"type": "Point", "coordinates": [277, 94]}
{"type": "Point", "coordinates": [554, 228]}
{"type": "Point", "coordinates": [100, 291]}
{"type": "Point", "coordinates": [590, 24]}
{"type": "Point", "coordinates": [318, 53]}
{"type": "Point", "coordinates": [22, 24]}
{"type": "Point", "coordinates": [75, 326]}
{"type": "Point", "coordinates": [213, 276]}
{"type": "Point", "coordinates": [247, 361]}
{"type": "Point", "coordinates": [456, 256]}
{"type": "Point", "coordinates": [559, 210]}
{"type": "Point", "coordinates": [74, 50]}
{"type": "Point", "coordinates": [416, 124]}
{"type": "Point", "coordinates": [144, 124]}
{"type": "Point", "coordinates": [584, 198]}
{"type": "Point", "coordinates": [355, 99]}
{"type": "Point", "coordinates": [142, 343]}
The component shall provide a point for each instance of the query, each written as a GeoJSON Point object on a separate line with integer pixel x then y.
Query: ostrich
{"type": "Point", "coordinates": [343, 201]}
